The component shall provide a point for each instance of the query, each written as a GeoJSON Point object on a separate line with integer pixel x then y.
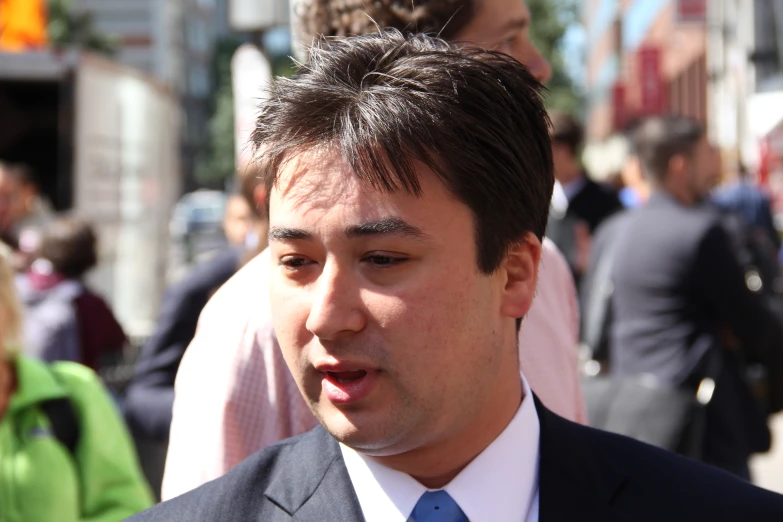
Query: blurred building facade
{"type": "Point", "coordinates": [173, 40]}
{"type": "Point", "coordinates": [644, 57]}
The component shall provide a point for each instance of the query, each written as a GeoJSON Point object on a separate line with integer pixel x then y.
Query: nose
{"type": "Point", "coordinates": [539, 66]}
{"type": "Point", "coordinates": [336, 309]}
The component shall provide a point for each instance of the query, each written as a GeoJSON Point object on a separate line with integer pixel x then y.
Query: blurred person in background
{"type": "Point", "coordinates": [21, 204]}
{"type": "Point", "coordinates": [65, 455]}
{"type": "Point", "coordinates": [239, 219]}
{"type": "Point", "coordinates": [741, 196]}
{"type": "Point", "coordinates": [684, 317]}
{"type": "Point", "coordinates": [65, 320]}
{"type": "Point", "coordinates": [234, 393]}
{"type": "Point", "coordinates": [150, 394]}
{"type": "Point", "coordinates": [636, 189]}
{"type": "Point", "coordinates": [579, 204]}
{"type": "Point", "coordinates": [588, 201]}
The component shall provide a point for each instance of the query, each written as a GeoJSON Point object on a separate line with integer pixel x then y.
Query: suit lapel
{"type": "Point", "coordinates": [577, 481]}
{"type": "Point", "coordinates": [313, 482]}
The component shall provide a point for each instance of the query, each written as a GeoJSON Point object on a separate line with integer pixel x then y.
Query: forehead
{"type": "Point", "coordinates": [320, 183]}
{"type": "Point", "coordinates": [492, 19]}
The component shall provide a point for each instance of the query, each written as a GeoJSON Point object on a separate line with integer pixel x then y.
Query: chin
{"type": "Point", "coordinates": [361, 432]}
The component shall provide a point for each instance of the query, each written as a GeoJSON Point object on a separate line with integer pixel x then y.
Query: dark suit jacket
{"type": "Point", "coordinates": [585, 475]}
{"type": "Point", "coordinates": [150, 396]}
{"type": "Point", "coordinates": [677, 285]}
{"type": "Point", "coordinates": [593, 204]}
{"type": "Point", "coordinates": [678, 288]}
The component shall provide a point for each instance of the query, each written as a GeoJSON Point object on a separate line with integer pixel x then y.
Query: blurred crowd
{"type": "Point", "coordinates": [667, 319]}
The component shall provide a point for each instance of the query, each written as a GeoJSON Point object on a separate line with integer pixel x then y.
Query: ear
{"type": "Point", "coordinates": [677, 165]}
{"type": "Point", "coordinates": [521, 268]}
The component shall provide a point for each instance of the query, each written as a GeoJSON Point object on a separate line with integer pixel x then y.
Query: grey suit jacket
{"type": "Point", "coordinates": [585, 474]}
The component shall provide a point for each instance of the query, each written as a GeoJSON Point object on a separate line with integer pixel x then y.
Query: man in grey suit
{"type": "Point", "coordinates": [684, 308]}
{"type": "Point", "coordinates": [409, 185]}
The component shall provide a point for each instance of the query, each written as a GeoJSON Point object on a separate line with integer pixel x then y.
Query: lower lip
{"type": "Point", "coordinates": [347, 392]}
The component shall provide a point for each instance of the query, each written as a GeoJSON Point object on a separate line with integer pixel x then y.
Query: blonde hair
{"type": "Point", "coordinates": [10, 307]}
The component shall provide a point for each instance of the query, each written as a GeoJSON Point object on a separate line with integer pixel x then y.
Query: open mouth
{"type": "Point", "coordinates": [346, 377]}
{"type": "Point", "coordinates": [348, 386]}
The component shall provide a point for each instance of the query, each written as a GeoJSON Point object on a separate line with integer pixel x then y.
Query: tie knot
{"type": "Point", "coordinates": [437, 506]}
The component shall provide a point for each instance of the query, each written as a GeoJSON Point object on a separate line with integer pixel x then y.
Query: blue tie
{"type": "Point", "coordinates": [437, 506]}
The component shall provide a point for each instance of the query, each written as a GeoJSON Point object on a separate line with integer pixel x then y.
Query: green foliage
{"type": "Point", "coordinates": [76, 29]}
{"type": "Point", "coordinates": [219, 160]}
{"type": "Point", "coordinates": [550, 20]}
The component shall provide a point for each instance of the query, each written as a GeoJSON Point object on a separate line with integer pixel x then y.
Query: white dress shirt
{"type": "Point", "coordinates": [499, 485]}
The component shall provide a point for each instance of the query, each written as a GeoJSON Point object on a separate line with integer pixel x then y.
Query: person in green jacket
{"type": "Point", "coordinates": [98, 479]}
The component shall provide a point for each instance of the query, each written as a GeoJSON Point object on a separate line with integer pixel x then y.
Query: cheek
{"type": "Point", "coordinates": [435, 315]}
{"type": "Point", "coordinates": [290, 310]}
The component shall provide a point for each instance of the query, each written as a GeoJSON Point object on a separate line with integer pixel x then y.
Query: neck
{"type": "Point", "coordinates": [571, 174]}
{"type": "Point", "coordinates": [678, 192]}
{"type": "Point", "coordinates": [435, 465]}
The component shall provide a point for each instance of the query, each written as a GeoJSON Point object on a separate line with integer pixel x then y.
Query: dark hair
{"type": "Point", "coordinates": [567, 130]}
{"type": "Point", "coordinates": [318, 18]}
{"type": "Point", "coordinates": [386, 102]}
{"type": "Point", "coordinates": [657, 139]}
{"type": "Point", "coordinates": [71, 245]}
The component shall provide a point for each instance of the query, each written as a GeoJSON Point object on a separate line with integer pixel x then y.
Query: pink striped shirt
{"type": "Point", "coordinates": [235, 395]}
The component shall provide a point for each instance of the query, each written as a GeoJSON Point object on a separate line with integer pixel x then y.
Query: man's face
{"type": "Point", "coordinates": [238, 220]}
{"type": "Point", "coordinates": [11, 200]}
{"type": "Point", "coordinates": [392, 333]}
{"type": "Point", "coordinates": [503, 25]}
{"type": "Point", "coordinates": [562, 160]}
{"type": "Point", "coordinates": [702, 170]}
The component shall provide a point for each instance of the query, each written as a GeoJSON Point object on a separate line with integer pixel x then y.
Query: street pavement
{"type": "Point", "coordinates": [767, 469]}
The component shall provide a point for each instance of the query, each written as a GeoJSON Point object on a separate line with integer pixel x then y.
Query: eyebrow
{"type": "Point", "coordinates": [288, 234]}
{"type": "Point", "coordinates": [519, 23]}
{"type": "Point", "coordinates": [386, 226]}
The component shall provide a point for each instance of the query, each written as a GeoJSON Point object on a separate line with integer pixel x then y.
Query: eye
{"type": "Point", "coordinates": [384, 260]}
{"type": "Point", "coordinates": [505, 45]}
{"type": "Point", "coordinates": [294, 262]}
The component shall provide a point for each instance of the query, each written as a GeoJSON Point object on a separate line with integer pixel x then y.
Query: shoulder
{"type": "Point", "coordinates": [552, 259]}
{"type": "Point", "coordinates": [80, 381]}
{"type": "Point", "coordinates": [555, 282]}
{"type": "Point", "coordinates": [207, 276]}
{"type": "Point", "coordinates": [656, 482]}
{"type": "Point", "coordinates": [234, 292]}
{"type": "Point", "coordinates": [239, 494]}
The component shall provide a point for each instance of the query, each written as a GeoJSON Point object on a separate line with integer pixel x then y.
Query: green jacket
{"type": "Point", "coordinates": [40, 480]}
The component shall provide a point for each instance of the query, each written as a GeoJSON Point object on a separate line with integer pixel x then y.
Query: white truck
{"type": "Point", "coordinates": [103, 140]}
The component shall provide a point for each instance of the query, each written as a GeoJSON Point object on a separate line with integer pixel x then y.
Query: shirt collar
{"type": "Point", "coordinates": [500, 484]}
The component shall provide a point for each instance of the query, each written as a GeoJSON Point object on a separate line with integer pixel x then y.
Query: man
{"type": "Point", "coordinates": [743, 197]}
{"type": "Point", "coordinates": [23, 212]}
{"type": "Point", "coordinates": [587, 200]}
{"type": "Point", "coordinates": [238, 219]}
{"type": "Point", "coordinates": [398, 279]}
{"type": "Point", "coordinates": [21, 205]}
{"type": "Point", "coordinates": [234, 394]}
{"type": "Point", "coordinates": [150, 395]}
{"type": "Point", "coordinates": [683, 311]}
{"type": "Point", "coordinates": [583, 204]}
